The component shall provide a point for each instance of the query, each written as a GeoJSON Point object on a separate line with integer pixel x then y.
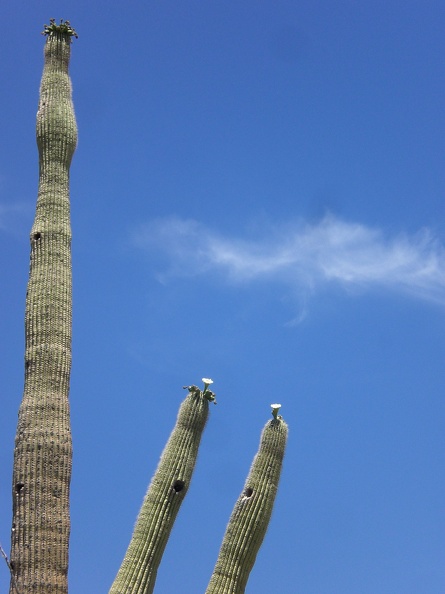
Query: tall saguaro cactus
{"type": "Point", "coordinates": [165, 494]}
{"type": "Point", "coordinates": [251, 514]}
{"type": "Point", "coordinates": [43, 450]}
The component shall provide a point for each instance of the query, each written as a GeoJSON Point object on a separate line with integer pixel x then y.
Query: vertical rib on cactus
{"type": "Point", "coordinates": [137, 574]}
{"type": "Point", "coordinates": [251, 514]}
{"type": "Point", "coordinates": [43, 450]}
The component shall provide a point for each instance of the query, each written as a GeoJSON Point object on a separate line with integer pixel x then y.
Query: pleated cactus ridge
{"type": "Point", "coordinates": [43, 448]}
{"type": "Point", "coordinates": [167, 490]}
{"type": "Point", "coordinates": [252, 511]}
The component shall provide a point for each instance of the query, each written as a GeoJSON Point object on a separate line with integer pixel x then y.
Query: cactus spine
{"type": "Point", "coordinates": [251, 514]}
{"type": "Point", "coordinates": [165, 494]}
{"type": "Point", "coordinates": [43, 450]}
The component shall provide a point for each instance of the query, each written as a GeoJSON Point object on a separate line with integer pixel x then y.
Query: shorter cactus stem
{"type": "Point", "coordinates": [251, 514]}
{"type": "Point", "coordinates": [170, 483]}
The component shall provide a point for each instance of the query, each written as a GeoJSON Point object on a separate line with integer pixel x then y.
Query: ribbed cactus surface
{"type": "Point", "coordinates": [251, 514]}
{"type": "Point", "coordinates": [43, 451]}
{"type": "Point", "coordinates": [164, 497]}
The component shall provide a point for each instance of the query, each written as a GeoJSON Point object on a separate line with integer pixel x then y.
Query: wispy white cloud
{"type": "Point", "coordinates": [306, 256]}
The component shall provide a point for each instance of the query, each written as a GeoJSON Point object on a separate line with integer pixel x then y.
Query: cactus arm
{"type": "Point", "coordinates": [43, 448]}
{"type": "Point", "coordinates": [137, 574]}
{"type": "Point", "coordinates": [251, 514]}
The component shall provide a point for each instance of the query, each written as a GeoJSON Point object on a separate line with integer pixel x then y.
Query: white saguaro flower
{"type": "Point", "coordinates": [207, 381]}
{"type": "Point", "coordinates": [275, 408]}
{"type": "Point", "coordinates": [206, 392]}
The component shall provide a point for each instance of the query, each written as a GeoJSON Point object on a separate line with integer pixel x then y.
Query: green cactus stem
{"type": "Point", "coordinates": [251, 514]}
{"type": "Point", "coordinates": [170, 483]}
{"type": "Point", "coordinates": [43, 449]}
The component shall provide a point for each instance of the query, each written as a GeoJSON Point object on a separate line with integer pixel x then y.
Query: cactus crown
{"type": "Point", "coordinates": [64, 28]}
{"type": "Point", "coordinates": [208, 394]}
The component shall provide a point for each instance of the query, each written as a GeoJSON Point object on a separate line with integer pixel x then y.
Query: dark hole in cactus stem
{"type": "Point", "coordinates": [248, 492]}
{"type": "Point", "coordinates": [178, 485]}
{"type": "Point", "coordinates": [19, 487]}
{"type": "Point", "coordinates": [37, 236]}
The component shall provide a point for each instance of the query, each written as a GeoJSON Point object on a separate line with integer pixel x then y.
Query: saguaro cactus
{"type": "Point", "coordinates": [43, 451]}
{"type": "Point", "coordinates": [251, 514]}
{"type": "Point", "coordinates": [165, 494]}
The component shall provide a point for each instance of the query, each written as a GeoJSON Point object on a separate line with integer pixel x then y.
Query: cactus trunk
{"type": "Point", "coordinates": [43, 449]}
{"type": "Point", "coordinates": [251, 514]}
{"type": "Point", "coordinates": [137, 574]}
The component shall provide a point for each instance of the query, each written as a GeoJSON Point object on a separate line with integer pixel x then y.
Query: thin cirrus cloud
{"type": "Point", "coordinates": [305, 256]}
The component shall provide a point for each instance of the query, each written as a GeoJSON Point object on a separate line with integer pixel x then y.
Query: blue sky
{"type": "Point", "coordinates": [257, 197]}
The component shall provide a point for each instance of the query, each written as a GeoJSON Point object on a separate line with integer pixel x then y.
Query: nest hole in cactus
{"type": "Point", "coordinates": [178, 486]}
{"type": "Point", "coordinates": [19, 487]}
{"type": "Point", "coordinates": [248, 492]}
